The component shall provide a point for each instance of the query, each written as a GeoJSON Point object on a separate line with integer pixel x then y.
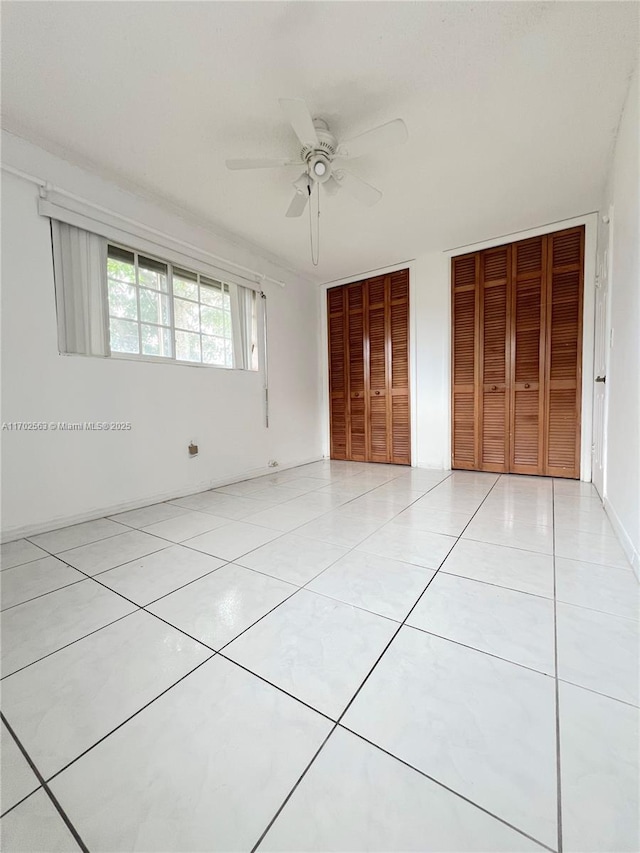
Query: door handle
{"type": "Point", "coordinates": [377, 392]}
{"type": "Point", "coordinates": [526, 385]}
{"type": "Point", "coordinates": [494, 387]}
{"type": "Point", "coordinates": [601, 378]}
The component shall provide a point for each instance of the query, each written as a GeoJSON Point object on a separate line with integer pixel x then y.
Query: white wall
{"type": "Point", "coordinates": [55, 478]}
{"type": "Point", "coordinates": [622, 491]}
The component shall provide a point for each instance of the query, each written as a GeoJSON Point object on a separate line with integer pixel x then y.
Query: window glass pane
{"type": "Point", "coordinates": [152, 274]}
{"type": "Point", "coordinates": [213, 351]}
{"type": "Point", "coordinates": [123, 336]}
{"type": "Point", "coordinates": [187, 346]}
{"type": "Point", "coordinates": [122, 300]}
{"type": "Point", "coordinates": [156, 340]}
{"type": "Point", "coordinates": [227, 324]}
{"type": "Point", "coordinates": [182, 287]}
{"type": "Point", "coordinates": [121, 270]}
{"type": "Point", "coordinates": [187, 315]}
{"type": "Point", "coordinates": [212, 320]}
{"type": "Point", "coordinates": [228, 354]}
{"type": "Point", "coordinates": [154, 307]}
{"type": "Point", "coordinates": [211, 295]}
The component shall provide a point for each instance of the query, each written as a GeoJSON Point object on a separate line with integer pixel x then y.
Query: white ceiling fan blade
{"type": "Point", "coordinates": [298, 204]}
{"type": "Point", "coordinates": [359, 189]}
{"type": "Point", "coordinates": [260, 163]}
{"type": "Point", "coordinates": [297, 113]}
{"type": "Point", "coordinates": [331, 186]}
{"type": "Point", "coordinates": [392, 133]}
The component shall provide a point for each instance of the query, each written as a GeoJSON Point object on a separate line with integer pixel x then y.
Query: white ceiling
{"type": "Point", "coordinates": [511, 109]}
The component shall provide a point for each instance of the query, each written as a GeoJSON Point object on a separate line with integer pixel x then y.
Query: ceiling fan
{"type": "Point", "coordinates": [320, 155]}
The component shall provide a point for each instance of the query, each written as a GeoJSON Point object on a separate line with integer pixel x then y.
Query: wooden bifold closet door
{"type": "Point", "coordinates": [516, 356]}
{"type": "Point", "coordinates": [368, 323]}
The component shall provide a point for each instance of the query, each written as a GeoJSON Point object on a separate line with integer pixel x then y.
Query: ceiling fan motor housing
{"type": "Point", "coordinates": [318, 157]}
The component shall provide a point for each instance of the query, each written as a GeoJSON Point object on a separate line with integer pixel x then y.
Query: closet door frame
{"type": "Point", "coordinates": [590, 223]}
{"type": "Point", "coordinates": [412, 350]}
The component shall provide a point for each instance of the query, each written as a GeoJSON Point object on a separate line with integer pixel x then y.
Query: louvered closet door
{"type": "Point", "coordinates": [464, 311]}
{"type": "Point", "coordinates": [493, 427]}
{"type": "Point", "coordinates": [369, 370]}
{"type": "Point", "coordinates": [400, 450]}
{"type": "Point", "coordinates": [528, 301]}
{"type": "Point", "coordinates": [357, 420]}
{"type": "Point", "coordinates": [338, 407]}
{"type": "Point", "coordinates": [378, 353]}
{"type": "Point", "coordinates": [517, 355]}
{"type": "Point", "coordinates": [564, 352]}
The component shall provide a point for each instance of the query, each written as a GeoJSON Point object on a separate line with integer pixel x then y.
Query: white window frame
{"type": "Point", "coordinates": [169, 293]}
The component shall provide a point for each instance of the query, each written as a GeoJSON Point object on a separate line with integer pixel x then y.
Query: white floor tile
{"type": "Point", "coordinates": [284, 517]}
{"type": "Point", "coordinates": [108, 553]}
{"type": "Point", "coordinates": [520, 509]}
{"type": "Point", "coordinates": [386, 587]}
{"type": "Point", "coordinates": [36, 827]}
{"type": "Point", "coordinates": [148, 515]}
{"type": "Point", "coordinates": [18, 552]}
{"type": "Point", "coordinates": [590, 547]}
{"type": "Point", "coordinates": [292, 558]}
{"type": "Point", "coordinates": [18, 779]}
{"type": "Point", "coordinates": [35, 629]}
{"type": "Point", "coordinates": [204, 767]}
{"type": "Point", "coordinates": [600, 757]}
{"type": "Point", "coordinates": [33, 579]}
{"type": "Point", "coordinates": [464, 692]}
{"type": "Point", "coordinates": [77, 534]}
{"type": "Point", "coordinates": [225, 505]}
{"type": "Point", "coordinates": [339, 529]}
{"type": "Point", "coordinates": [510, 567]}
{"type": "Point", "coordinates": [356, 798]}
{"type": "Point", "coordinates": [590, 520]}
{"type": "Point", "coordinates": [218, 607]}
{"type": "Point", "coordinates": [186, 526]}
{"type": "Point", "coordinates": [64, 704]}
{"type": "Point", "coordinates": [233, 540]}
{"type": "Point", "coordinates": [433, 520]}
{"type": "Point", "coordinates": [317, 649]}
{"type": "Point", "coordinates": [604, 588]}
{"type": "Point", "coordinates": [574, 487]}
{"type": "Point", "coordinates": [480, 725]}
{"type": "Point", "coordinates": [156, 575]}
{"type": "Point", "coordinates": [513, 534]}
{"type": "Point", "coordinates": [599, 651]}
{"type": "Point", "coordinates": [409, 545]}
{"type": "Point", "coordinates": [512, 625]}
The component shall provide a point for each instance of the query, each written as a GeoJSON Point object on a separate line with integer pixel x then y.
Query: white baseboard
{"type": "Point", "coordinates": [11, 533]}
{"type": "Point", "coordinates": [625, 540]}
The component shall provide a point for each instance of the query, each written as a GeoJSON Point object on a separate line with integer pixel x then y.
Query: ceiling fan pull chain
{"type": "Point", "coordinates": [315, 257]}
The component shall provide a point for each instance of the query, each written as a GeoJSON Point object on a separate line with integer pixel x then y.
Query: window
{"type": "Point", "coordinates": [162, 311]}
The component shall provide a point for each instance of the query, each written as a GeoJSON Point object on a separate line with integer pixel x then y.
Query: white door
{"type": "Point", "coordinates": [601, 356]}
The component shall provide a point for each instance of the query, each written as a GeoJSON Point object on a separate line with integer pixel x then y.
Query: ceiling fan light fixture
{"type": "Point", "coordinates": [319, 167]}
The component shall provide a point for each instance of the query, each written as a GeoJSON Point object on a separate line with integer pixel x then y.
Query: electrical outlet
{"type": "Point", "coordinates": [273, 463]}
{"type": "Point", "coordinates": [193, 449]}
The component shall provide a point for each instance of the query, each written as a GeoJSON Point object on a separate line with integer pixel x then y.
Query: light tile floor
{"type": "Point", "coordinates": [340, 657]}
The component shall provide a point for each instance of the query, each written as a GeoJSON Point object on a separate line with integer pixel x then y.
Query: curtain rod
{"type": "Point", "coordinates": [48, 186]}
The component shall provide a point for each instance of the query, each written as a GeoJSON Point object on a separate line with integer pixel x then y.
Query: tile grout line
{"type": "Point", "coordinates": [143, 607]}
{"type": "Point", "coordinates": [138, 607]}
{"type": "Point", "coordinates": [556, 682]}
{"type": "Point", "coordinates": [446, 787]}
{"type": "Point", "coordinates": [363, 682]}
{"type": "Point", "coordinates": [74, 832]}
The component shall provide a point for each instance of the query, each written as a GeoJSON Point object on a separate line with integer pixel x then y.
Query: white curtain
{"type": "Point", "coordinates": [244, 327]}
{"type": "Point", "coordinates": [80, 270]}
